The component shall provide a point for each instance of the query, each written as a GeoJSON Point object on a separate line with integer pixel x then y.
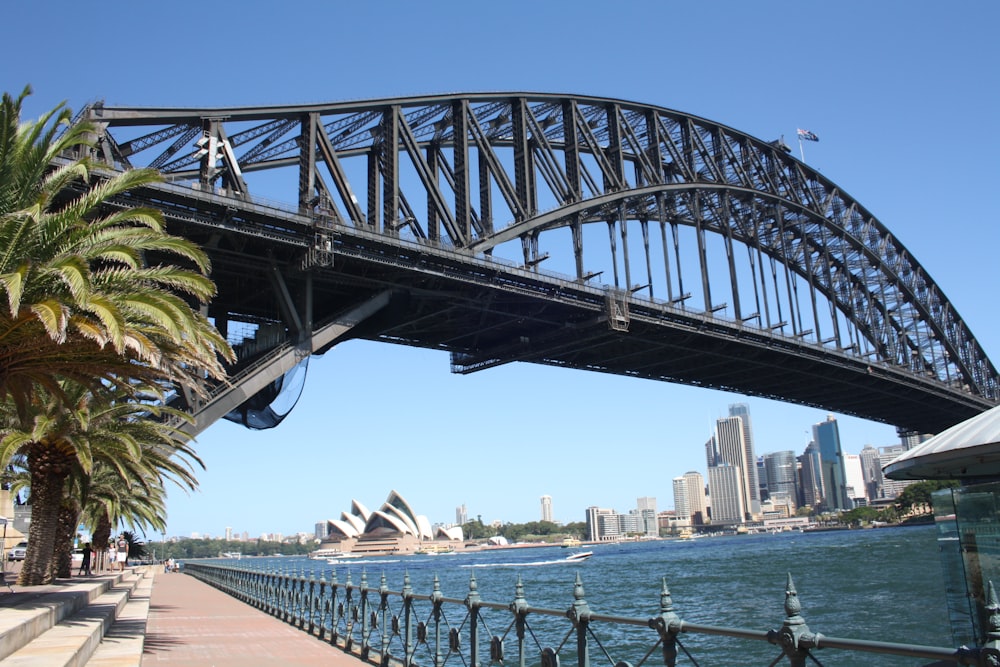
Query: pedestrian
{"type": "Point", "coordinates": [121, 554]}
{"type": "Point", "coordinates": [85, 563]}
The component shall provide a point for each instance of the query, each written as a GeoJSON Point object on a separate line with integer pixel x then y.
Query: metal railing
{"type": "Point", "coordinates": [406, 629]}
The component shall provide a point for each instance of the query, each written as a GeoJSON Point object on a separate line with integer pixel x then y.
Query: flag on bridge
{"type": "Point", "coordinates": [806, 135]}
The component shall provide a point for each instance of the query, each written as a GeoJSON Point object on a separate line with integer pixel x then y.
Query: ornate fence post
{"type": "Point", "coordinates": [364, 615]}
{"type": "Point", "coordinates": [408, 647]}
{"type": "Point", "coordinates": [311, 602]}
{"type": "Point", "coordinates": [383, 591]}
{"type": "Point", "coordinates": [519, 607]}
{"type": "Point", "coordinates": [336, 608]}
{"type": "Point", "coordinates": [320, 604]}
{"type": "Point", "coordinates": [472, 603]}
{"type": "Point", "coordinates": [579, 613]}
{"type": "Point", "coordinates": [667, 625]}
{"type": "Point", "coordinates": [437, 599]}
{"type": "Point", "coordinates": [794, 637]}
{"type": "Point", "coordinates": [350, 610]}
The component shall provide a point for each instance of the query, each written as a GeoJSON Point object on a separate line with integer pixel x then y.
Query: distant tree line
{"type": "Point", "coordinates": [914, 499]}
{"type": "Point", "coordinates": [214, 548]}
{"type": "Point", "coordinates": [532, 531]}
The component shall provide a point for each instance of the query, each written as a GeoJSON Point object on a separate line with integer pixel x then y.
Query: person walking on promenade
{"type": "Point", "coordinates": [85, 563]}
{"type": "Point", "coordinates": [121, 556]}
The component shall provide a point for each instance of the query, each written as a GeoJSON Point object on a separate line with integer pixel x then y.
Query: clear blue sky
{"type": "Point", "coordinates": [903, 96]}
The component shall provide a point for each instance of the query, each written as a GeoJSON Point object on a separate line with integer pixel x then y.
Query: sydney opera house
{"type": "Point", "coordinates": [393, 529]}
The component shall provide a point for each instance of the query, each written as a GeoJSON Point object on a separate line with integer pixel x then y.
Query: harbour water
{"type": "Point", "coordinates": [881, 585]}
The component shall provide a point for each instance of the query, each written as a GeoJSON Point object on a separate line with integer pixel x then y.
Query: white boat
{"type": "Point", "coordinates": [327, 554]}
{"type": "Point", "coordinates": [579, 556]}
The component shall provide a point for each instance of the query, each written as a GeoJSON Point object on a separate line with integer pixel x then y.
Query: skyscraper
{"type": "Point", "coordinates": [725, 483]}
{"type": "Point", "coordinates": [646, 507]}
{"type": "Point", "coordinates": [730, 449]}
{"type": "Point", "coordinates": [827, 437]}
{"type": "Point", "coordinates": [871, 468]}
{"type": "Point", "coordinates": [689, 498]}
{"type": "Point", "coordinates": [742, 410]}
{"type": "Point", "coordinates": [547, 508]}
{"type": "Point", "coordinates": [461, 515]}
{"type": "Point", "coordinates": [780, 470]}
{"type": "Point", "coordinates": [682, 502]}
{"type": "Point", "coordinates": [811, 491]}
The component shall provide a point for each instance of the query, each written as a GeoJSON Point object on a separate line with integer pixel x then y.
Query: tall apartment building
{"type": "Point", "coordinates": [461, 515]}
{"type": "Point", "coordinates": [855, 479]}
{"type": "Point", "coordinates": [689, 498]}
{"type": "Point", "coordinates": [781, 472]}
{"type": "Point", "coordinates": [646, 508]}
{"type": "Point", "coordinates": [729, 443]}
{"type": "Point", "coordinates": [871, 469]}
{"type": "Point", "coordinates": [811, 490]}
{"type": "Point", "coordinates": [742, 410]}
{"type": "Point", "coordinates": [597, 524]}
{"type": "Point", "coordinates": [891, 487]}
{"type": "Point", "coordinates": [826, 435]}
{"type": "Point", "coordinates": [725, 483]}
{"type": "Point", "coordinates": [547, 508]}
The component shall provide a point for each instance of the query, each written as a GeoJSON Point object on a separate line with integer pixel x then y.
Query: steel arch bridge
{"type": "Point", "coordinates": [574, 231]}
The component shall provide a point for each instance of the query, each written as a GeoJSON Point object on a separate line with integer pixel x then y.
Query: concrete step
{"type": "Point", "coordinates": [123, 642]}
{"type": "Point", "coordinates": [63, 624]}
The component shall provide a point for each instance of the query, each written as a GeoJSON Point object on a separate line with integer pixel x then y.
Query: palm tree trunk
{"type": "Point", "coordinates": [49, 470]}
{"type": "Point", "coordinates": [102, 537]}
{"type": "Point", "coordinates": [63, 552]}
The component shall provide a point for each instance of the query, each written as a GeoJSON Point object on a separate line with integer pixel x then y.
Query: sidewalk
{"type": "Point", "coordinates": [192, 623]}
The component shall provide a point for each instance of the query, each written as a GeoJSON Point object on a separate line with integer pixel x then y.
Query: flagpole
{"type": "Point", "coordinates": [802, 152]}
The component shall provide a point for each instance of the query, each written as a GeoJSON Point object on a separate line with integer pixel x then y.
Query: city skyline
{"type": "Point", "coordinates": [728, 478]}
{"type": "Point", "coordinates": [901, 135]}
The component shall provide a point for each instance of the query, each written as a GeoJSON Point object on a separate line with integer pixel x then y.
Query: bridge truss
{"type": "Point", "coordinates": [575, 231]}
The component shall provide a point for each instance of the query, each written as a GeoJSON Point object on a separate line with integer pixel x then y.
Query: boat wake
{"type": "Point", "coordinates": [576, 558]}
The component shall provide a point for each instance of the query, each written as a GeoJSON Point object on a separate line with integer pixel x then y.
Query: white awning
{"type": "Point", "coordinates": [970, 449]}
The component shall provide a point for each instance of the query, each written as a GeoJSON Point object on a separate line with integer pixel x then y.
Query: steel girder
{"type": "Point", "coordinates": [540, 164]}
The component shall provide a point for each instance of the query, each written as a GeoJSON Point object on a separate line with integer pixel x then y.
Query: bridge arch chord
{"type": "Point", "coordinates": [481, 173]}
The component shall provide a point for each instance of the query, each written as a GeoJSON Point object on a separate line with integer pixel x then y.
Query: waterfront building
{"type": "Point", "coordinates": [742, 410]}
{"type": "Point", "coordinates": [319, 530]}
{"type": "Point", "coordinates": [871, 471]}
{"type": "Point", "coordinates": [826, 435]}
{"type": "Point", "coordinates": [594, 522]}
{"type": "Point", "coordinates": [762, 489]}
{"type": "Point", "coordinates": [892, 487]}
{"type": "Point", "coordinates": [730, 449]}
{"type": "Point", "coordinates": [696, 497]}
{"type": "Point", "coordinates": [780, 471]}
{"type": "Point", "coordinates": [854, 476]}
{"type": "Point", "coordinates": [646, 508]}
{"type": "Point", "coordinates": [682, 501]}
{"type": "Point", "coordinates": [725, 484]}
{"type": "Point", "coordinates": [811, 490]}
{"type": "Point", "coordinates": [547, 508]}
{"type": "Point", "coordinates": [393, 529]}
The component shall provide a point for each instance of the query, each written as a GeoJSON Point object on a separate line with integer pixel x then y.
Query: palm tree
{"type": "Point", "coordinates": [86, 315]}
{"type": "Point", "coordinates": [82, 302]}
{"type": "Point", "coordinates": [135, 495]}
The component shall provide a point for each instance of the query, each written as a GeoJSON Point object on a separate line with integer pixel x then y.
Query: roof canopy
{"type": "Point", "coordinates": [969, 450]}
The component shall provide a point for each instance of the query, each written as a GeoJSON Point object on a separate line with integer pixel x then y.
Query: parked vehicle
{"type": "Point", "coordinates": [17, 552]}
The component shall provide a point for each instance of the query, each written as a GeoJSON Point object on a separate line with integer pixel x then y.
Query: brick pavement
{"type": "Point", "coordinates": [191, 623]}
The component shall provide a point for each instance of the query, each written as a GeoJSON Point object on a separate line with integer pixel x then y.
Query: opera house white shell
{"type": "Point", "coordinates": [392, 529]}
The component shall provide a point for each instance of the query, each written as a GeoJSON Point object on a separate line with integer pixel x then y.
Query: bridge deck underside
{"type": "Point", "coordinates": [499, 315]}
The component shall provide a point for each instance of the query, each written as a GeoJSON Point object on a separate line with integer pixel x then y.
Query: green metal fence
{"type": "Point", "coordinates": [406, 629]}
